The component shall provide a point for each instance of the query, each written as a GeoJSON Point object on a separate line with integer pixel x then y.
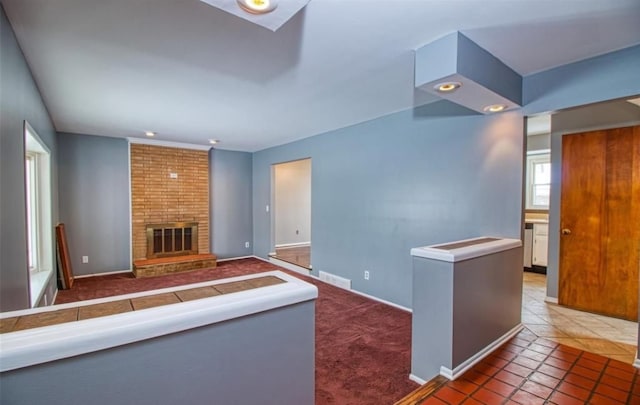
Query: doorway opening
{"type": "Point", "coordinates": [546, 311]}
{"type": "Point", "coordinates": [291, 213]}
{"type": "Point", "coordinates": [537, 193]}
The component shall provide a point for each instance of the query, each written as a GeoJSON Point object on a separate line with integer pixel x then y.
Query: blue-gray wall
{"type": "Point", "coordinates": [93, 178]}
{"type": "Point", "coordinates": [408, 179]}
{"type": "Point", "coordinates": [606, 77]}
{"type": "Point", "coordinates": [19, 100]}
{"type": "Point", "coordinates": [231, 215]}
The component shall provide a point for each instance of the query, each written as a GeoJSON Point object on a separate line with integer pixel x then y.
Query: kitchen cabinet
{"type": "Point", "coordinates": [540, 244]}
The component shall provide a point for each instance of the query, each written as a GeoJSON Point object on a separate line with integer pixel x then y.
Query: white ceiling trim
{"type": "Point", "coordinates": [168, 144]}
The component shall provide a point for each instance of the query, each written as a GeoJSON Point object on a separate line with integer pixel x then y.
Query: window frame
{"type": "Point", "coordinates": [534, 158]}
{"type": "Point", "coordinates": [32, 210]}
{"type": "Point", "coordinates": [38, 214]}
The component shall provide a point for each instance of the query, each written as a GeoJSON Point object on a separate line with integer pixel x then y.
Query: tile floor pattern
{"type": "Point", "coordinates": [533, 370]}
{"type": "Point", "coordinates": [609, 337]}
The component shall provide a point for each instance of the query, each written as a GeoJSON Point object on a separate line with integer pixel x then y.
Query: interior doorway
{"type": "Point", "coordinates": [599, 216]}
{"type": "Point", "coordinates": [561, 275]}
{"type": "Point", "coordinates": [291, 222]}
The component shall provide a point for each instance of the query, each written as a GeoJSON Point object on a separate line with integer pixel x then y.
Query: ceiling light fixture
{"type": "Point", "coordinates": [213, 141]}
{"type": "Point", "coordinates": [447, 87]}
{"type": "Point", "coordinates": [258, 6]}
{"type": "Point", "coordinates": [149, 133]}
{"type": "Point", "coordinates": [495, 108]}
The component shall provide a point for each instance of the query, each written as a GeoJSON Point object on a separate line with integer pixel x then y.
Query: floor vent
{"type": "Point", "coordinates": [335, 280]}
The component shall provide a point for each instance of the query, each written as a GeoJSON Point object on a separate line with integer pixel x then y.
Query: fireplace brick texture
{"type": "Point", "coordinates": [157, 198]}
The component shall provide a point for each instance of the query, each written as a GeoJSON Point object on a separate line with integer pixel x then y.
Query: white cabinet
{"type": "Point", "coordinates": [540, 244]}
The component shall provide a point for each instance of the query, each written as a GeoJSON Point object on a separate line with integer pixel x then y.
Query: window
{"type": "Point", "coordinates": [538, 180]}
{"type": "Point", "coordinates": [31, 183]}
{"type": "Point", "coordinates": [37, 180]}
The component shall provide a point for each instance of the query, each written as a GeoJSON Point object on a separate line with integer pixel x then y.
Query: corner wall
{"type": "Point", "coordinates": [20, 100]}
{"type": "Point", "coordinates": [230, 206]}
{"type": "Point", "coordinates": [94, 201]}
{"type": "Point", "coordinates": [94, 190]}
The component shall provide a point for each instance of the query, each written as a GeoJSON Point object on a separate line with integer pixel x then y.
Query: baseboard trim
{"type": "Point", "coordinates": [309, 274]}
{"type": "Point", "coordinates": [473, 360]}
{"type": "Point", "coordinates": [228, 259]}
{"type": "Point", "coordinates": [551, 300]}
{"type": "Point", "coordinates": [417, 379]}
{"type": "Point", "coordinates": [108, 273]}
{"type": "Point", "coordinates": [383, 301]}
{"type": "Point", "coordinates": [292, 245]}
{"type": "Point", "coordinates": [289, 266]}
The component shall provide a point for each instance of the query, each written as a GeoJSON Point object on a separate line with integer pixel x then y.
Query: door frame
{"type": "Point", "coordinates": [272, 204]}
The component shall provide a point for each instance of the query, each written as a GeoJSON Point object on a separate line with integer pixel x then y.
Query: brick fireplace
{"type": "Point", "coordinates": [169, 209]}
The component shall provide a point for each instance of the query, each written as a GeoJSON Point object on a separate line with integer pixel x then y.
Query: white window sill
{"type": "Point", "coordinates": [38, 281]}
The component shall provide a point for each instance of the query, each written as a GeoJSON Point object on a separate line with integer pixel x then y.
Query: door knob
{"type": "Point", "coordinates": [566, 231]}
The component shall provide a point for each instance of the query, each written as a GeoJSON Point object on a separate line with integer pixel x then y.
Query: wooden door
{"type": "Point", "coordinates": [600, 222]}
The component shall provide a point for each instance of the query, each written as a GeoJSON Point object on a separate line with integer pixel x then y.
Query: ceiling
{"type": "Point", "coordinates": [193, 72]}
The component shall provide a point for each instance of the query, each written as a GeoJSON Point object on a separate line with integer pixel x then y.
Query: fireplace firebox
{"type": "Point", "coordinates": [172, 239]}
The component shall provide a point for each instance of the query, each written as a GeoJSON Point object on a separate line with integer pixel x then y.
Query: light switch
{"type": "Point", "coordinates": [173, 175]}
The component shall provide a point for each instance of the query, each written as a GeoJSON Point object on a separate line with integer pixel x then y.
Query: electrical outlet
{"type": "Point", "coordinates": [267, 208]}
{"type": "Point", "coordinates": [247, 244]}
{"type": "Point", "coordinates": [366, 274]}
{"type": "Point", "coordinates": [85, 259]}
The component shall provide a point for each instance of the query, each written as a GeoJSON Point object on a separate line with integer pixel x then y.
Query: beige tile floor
{"type": "Point", "coordinates": [609, 337]}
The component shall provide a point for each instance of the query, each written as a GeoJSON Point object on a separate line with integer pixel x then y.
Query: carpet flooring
{"type": "Point", "coordinates": [362, 346]}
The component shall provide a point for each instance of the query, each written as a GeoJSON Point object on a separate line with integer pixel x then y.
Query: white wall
{"type": "Point", "coordinates": [292, 202]}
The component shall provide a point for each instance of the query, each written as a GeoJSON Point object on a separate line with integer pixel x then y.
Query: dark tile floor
{"type": "Point", "coordinates": [533, 370]}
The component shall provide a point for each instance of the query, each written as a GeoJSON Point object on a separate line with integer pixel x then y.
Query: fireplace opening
{"type": "Point", "coordinates": [172, 239]}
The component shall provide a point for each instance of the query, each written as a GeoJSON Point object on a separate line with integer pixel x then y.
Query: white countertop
{"type": "Point", "coordinates": [466, 252]}
{"type": "Point", "coordinates": [39, 345]}
{"type": "Point", "coordinates": [536, 221]}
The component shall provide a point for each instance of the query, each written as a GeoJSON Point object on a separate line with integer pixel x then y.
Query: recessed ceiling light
{"type": "Point", "coordinates": [258, 6]}
{"type": "Point", "coordinates": [447, 87]}
{"type": "Point", "coordinates": [149, 133]}
{"type": "Point", "coordinates": [213, 141]}
{"type": "Point", "coordinates": [495, 108]}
